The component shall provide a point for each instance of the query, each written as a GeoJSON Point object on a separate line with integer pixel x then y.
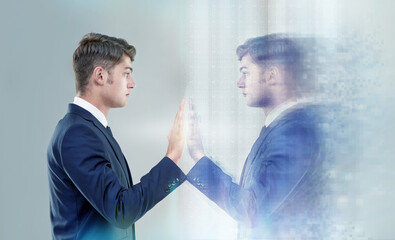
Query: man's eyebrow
{"type": "Point", "coordinates": [131, 69]}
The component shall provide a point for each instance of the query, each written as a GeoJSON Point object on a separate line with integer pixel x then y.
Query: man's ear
{"type": "Point", "coordinates": [99, 75]}
{"type": "Point", "coordinates": [273, 75]}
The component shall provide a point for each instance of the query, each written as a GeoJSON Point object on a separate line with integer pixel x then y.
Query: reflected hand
{"type": "Point", "coordinates": [176, 136]}
{"type": "Point", "coordinates": [194, 137]}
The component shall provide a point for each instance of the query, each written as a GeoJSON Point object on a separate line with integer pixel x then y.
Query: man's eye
{"type": "Point", "coordinates": [127, 74]}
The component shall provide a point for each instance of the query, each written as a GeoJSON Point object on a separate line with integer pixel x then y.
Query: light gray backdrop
{"type": "Point", "coordinates": [184, 49]}
{"type": "Point", "coordinates": [37, 40]}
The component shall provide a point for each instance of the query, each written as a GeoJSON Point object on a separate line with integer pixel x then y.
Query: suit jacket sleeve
{"type": "Point", "coordinates": [85, 161]}
{"type": "Point", "coordinates": [283, 159]}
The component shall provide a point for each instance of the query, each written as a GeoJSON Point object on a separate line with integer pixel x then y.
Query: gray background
{"type": "Point", "coordinates": [38, 39]}
{"type": "Point", "coordinates": [184, 49]}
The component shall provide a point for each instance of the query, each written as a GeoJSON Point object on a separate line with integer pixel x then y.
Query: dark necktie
{"type": "Point", "coordinates": [109, 130]}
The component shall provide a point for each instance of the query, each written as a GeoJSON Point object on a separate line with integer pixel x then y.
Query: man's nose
{"type": "Point", "coordinates": [131, 83]}
{"type": "Point", "coordinates": [241, 82]}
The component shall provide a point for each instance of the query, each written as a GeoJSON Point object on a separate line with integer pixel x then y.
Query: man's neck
{"type": "Point", "coordinates": [95, 101]}
{"type": "Point", "coordinates": [268, 109]}
{"type": "Point", "coordinates": [92, 109]}
{"type": "Point", "coordinates": [276, 111]}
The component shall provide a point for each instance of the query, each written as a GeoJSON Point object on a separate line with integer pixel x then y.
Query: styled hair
{"type": "Point", "coordinates": [95, 50]}
{"type": "Point", "coordinates": [272, 48]}
{"type": "Point", "coordinates": [282, 49]}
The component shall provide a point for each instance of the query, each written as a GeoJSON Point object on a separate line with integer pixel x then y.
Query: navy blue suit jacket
{"type": "Point", "coordinates": [279, 186]}
{"type": "Point", "coordinates": [92, 195]}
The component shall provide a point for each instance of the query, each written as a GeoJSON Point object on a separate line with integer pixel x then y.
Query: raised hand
{"type": "Point", "coordinates": [176, 136]}
{"type": "Point", "coordinates": [194, 137]}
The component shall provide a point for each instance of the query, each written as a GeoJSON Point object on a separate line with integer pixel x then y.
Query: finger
{"type": "Point", "coordinates": [180, 109]}
{"type": "Point", "coordinates": [182, 119]}
{"type": "Point", "coordinates": [179, 119]}
{"type": "Point", "coordinates": [191, 105]}
{"type": "Point", "coordinates": [182, 106]}
{"type": "Point", "coordinates": [191, 114]}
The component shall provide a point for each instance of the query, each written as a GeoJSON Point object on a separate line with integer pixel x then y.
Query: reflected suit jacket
{"type": "Point", "coordinates": [92, 195]}
{"type": "Point", "coordinates": [278, 186]}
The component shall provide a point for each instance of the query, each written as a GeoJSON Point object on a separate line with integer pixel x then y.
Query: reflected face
{"type": "Point", "coordinates": [253, 83]}
{"type": "Point", "coordinates": [119, 83]}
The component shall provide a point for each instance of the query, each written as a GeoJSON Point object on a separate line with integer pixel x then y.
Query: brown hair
{"type": "Point", "coordinates": [287, 50]}
{"type": "Point", "coordinates": [277, 48]}
{"type": "Point", "coordinates": [94, 50]}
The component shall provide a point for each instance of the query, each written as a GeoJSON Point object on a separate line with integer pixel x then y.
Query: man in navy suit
{"type": "Point", "coordinates": [92, 195]}
{"type": "Point", "coordinates": [279, 189]}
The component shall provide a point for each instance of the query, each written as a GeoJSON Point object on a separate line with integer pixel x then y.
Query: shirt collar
{"type": "Point", "coordinates": [276, 112]}
{"type": "Point", "coordinates": [92, 109]}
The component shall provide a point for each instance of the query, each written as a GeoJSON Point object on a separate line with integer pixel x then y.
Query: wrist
{"type": "Point", "coordinates": [173, 158]}
{"type": "Point", "coordinates": [198, 156]}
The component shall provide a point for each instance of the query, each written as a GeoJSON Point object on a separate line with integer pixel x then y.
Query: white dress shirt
{"type": "Point", "coordinates": [276, 112]}
{"type": "Point", "coordinates": [92, 109]}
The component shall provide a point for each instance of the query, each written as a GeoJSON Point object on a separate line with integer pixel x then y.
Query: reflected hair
{"type": "Point", "coordinates": [272, 48]}
{"type": "Point", "coordinates": [95, 50]}
{"type": "Point", "coordinates": [280, 49]}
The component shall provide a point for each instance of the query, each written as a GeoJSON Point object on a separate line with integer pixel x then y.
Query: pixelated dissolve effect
{"type": "Point", "coordinates": [334, 74]}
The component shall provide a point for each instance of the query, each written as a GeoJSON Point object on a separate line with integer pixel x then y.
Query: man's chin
{"type": "Point", "coordinates": [252, 104]}
{"type": "Point", "coordinates": [258, 103]}
{"type": "Point", "coordinates": [121, 105]}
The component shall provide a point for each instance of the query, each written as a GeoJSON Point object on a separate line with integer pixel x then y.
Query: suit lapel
{"type": "Point", "coordinates": [116, 148]}
{"type": "Point", "coordinates": [253, 154]}
{"type": "Point", "coordinates": [259, 142]}
{"type": "Point", "coordinates": [114, 145]}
